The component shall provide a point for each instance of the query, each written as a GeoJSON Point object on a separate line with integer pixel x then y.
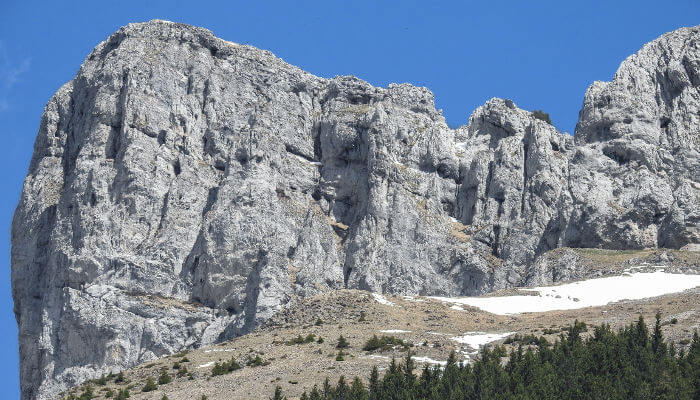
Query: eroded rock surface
{"type": "Point", "coordinates": [184, 188]}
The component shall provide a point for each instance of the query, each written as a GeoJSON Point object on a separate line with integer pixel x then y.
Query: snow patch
{"type": "Point", "coordinates": [206, 365]}
{"type": "Point", "coordinates": [378, 357]}
{"type": "Point", "coordinates": [218, 350]}
{"type": "Point", "coordinates": [394, 331]}
{"type": "Point", "coordinates": [588, 293]}
{"type": "Point", "coordinates": [428, 360]}
{"type": "Point", "coordinates": [478, 339]}
{"type": "Point", "coordinates": [382, 300]}
{"type": "Point", "coordinates": [304, 160]}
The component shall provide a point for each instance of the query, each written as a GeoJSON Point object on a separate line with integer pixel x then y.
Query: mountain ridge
{"type": "Point", "coordinates": [179, 165]}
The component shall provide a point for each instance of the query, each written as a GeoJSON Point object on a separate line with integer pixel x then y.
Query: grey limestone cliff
{"type": "Point", "coordinates": [184, 188]}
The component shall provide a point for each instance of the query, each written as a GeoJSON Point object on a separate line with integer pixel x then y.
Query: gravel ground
{"type": "Point", "coordinates": [428, 324]}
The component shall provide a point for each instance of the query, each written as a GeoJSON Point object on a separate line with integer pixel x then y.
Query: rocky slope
{"type": "Point", "coordinates": [432, 327]}
{"type": "Point", "coordinates": [184, 188]}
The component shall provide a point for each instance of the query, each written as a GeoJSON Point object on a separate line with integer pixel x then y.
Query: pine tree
{"type": "Point", "coordinates": [657, 338]}
{"type": "Point", "coordinates": [328, 391]}
{"type": "Point", "coordinates": [357, 390]}
{"type": "Point", "coordinates": [342, 343]}
{"type": "Point", "coordinates": [315, 394]}
{"type": "Point", "coordinates": [374, 383]}
{"type": "Point", "coordinates": [341, 389]}
{"type": "Point", "coordinates": [278, 394]}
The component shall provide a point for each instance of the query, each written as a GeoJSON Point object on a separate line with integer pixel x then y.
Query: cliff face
{"type": "Point", "coordinates": [183, 188]}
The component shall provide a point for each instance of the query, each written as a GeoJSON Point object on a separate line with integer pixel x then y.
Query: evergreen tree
{"type": "Point", "coordinates": [328, 392]}
{"type": "Point", "coordinates": [278, 394]}
{"type": "Point", "coordinates": [628, 364]}
{"type": "Point", "coordinates": [315, 394]}
{"type": "Point", "coordinates": [342, 343]}
{"type": "Point", "coordinates": [341, 389]}
{"type": "Point", "coordinates": [357, 390]}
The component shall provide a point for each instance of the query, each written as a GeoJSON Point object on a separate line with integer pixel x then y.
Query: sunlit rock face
{"type": "Point", "coordinates": [184, 188]}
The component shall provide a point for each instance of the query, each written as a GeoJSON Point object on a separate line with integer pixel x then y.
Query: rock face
{"type": "Point", "coordinates": [183, 188]}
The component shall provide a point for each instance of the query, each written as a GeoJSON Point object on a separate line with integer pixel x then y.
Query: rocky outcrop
{"type": "Point", "coordinates": [183, 188]}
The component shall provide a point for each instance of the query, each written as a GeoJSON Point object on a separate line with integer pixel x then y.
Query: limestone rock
{"type": "Point", "coordinates": [184, 188]}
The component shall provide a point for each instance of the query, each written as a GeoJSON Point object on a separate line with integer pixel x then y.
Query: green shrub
{"type": "Point", "coordinates": [120, 378]}
{"type": "Point", "coordinates": [225, 367]}
{"type": "Point", "coordinates": [319, 322]}
{"type": "Point", "coordinates": [87, 393]}
{"type": "Point", "coordinates": [320, 340]}
{"type": "Point", "coordinates": [149, 386]}
{"type": "Point", "coordinates": [123, 394]}
{"type": "Point", "coordinates": [363, 316]}
{"type": "Point", "coordinates": [541, 115]}
{"type": "Point", "coordinates": [310, 338]}
{"type": "Point", "coordinates": [340, 356]}
{"type": "Point", "coordinates": [384, 343]}
{"type": "Point", "coordinates": [256, 362]}
{"type": "Point", "coordinates": [576, 327]}
{"type": "Point", "coordinates": [525, 339]}
{"type": "Point", "coordinates": [101, 380]}
{"type": "Point", "coordinates": [182, 371]}
{"type": "Point", "coordinates": [164, 377]}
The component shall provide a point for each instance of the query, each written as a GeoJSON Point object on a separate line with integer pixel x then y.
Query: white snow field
{"type": "Point", "coordinates": [428, 360]}
{"type": "Point", "coordinates": [382, 300]}
{"type": "Point", "coordinates": [206, 365]}
{"type": "Point", "coordinates": [588, 293]}
{"type": "Point", "coordinates": [478, 339]}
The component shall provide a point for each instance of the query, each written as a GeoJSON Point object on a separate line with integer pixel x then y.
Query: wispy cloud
{"type": "Point", "coordinates": [11, 71]}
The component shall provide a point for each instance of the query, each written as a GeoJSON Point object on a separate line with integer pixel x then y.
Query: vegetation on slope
{"type": "Point", "coordinates": [629, 364]}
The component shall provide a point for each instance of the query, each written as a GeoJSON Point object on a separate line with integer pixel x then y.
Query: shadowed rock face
{"type": "Point", "coordinates": [183, 188]}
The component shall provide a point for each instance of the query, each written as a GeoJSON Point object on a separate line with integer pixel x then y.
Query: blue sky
{"type": "Point", "coordinates": [542, 55]}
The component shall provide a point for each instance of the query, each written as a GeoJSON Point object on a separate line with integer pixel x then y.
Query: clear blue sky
{"type": "Point", "coordinates": [540, 54]}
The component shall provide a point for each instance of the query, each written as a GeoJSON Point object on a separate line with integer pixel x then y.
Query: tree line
{"type": "Point", "coordinates": [631, 363]}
